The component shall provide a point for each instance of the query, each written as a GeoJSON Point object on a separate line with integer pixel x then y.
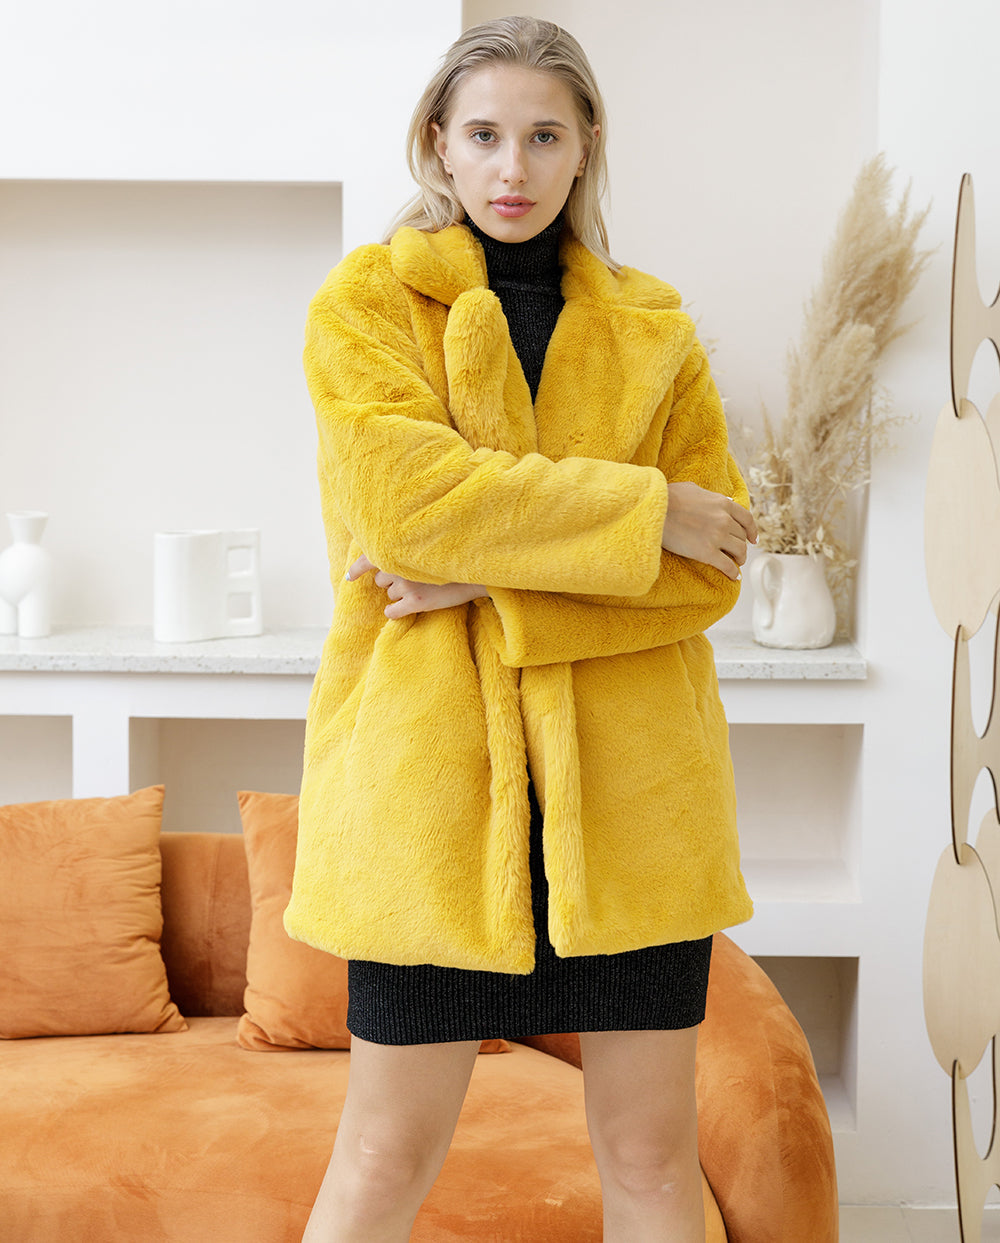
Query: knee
{"type": "Point", "coordinates": [648, 1168]}
{"type": "Point", "coordinates": [390, 1169]}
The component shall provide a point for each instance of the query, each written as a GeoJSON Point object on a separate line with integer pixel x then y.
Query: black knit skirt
{"type": "Point", "coordinates": [661, 988]}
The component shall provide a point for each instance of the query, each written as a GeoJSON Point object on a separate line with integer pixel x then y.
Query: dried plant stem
{"type": "Point", "coordinates": [803, 469]}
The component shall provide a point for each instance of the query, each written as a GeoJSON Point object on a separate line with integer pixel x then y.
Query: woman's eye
{"type": "Point", "coordinates": [545, 138]}
{"type": "Point", "coordinates": [482, 135]}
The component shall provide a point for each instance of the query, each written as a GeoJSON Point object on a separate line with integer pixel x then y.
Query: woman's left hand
{"type": "Point", "coordinates": [408, 597]}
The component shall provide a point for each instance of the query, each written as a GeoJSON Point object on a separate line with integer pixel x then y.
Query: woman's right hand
{"type": "Point", "coordinates": [707, 527]}
{"type": "Point", "coordinates": [409, 597]}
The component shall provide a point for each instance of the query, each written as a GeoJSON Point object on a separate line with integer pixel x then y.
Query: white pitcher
{"type": "Point", "coordinates": [792, 604]}
{"type": "Point", "coordinates": [206, 585]}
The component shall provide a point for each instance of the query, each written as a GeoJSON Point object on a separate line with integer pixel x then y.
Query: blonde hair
{"type": "Point", "coordinates": [529, 43]}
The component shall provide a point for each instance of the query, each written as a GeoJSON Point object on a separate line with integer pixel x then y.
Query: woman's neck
{"type": "Point", "coordinates": [537, 257]}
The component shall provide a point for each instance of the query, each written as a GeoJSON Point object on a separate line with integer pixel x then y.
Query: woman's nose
{"type": "Point", "coordinates": [513, 172]}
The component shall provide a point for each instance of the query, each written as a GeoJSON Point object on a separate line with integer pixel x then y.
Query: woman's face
{"type": "Point", "coordinates": [513, 149]}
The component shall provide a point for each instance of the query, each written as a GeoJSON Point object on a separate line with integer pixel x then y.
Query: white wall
{"type": "Point", "coordinates": [152, 380]}
{"type": "Point", "coordinates": [215, 90]}
{"type": "Point", "coordinates": [169, 201]}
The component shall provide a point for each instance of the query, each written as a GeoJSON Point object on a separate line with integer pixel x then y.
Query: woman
{"type": "Point", "coordinates": [517, 814]}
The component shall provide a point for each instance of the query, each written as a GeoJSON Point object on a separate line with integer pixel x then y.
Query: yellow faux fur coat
{"type": "Point", "coordinates": [588, 659]}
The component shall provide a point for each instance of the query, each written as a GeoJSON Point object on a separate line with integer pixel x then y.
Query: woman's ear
{"type": "Point", "coordinates": [441, 146]}
{"type": "Point", "coordinates": [586, 151]}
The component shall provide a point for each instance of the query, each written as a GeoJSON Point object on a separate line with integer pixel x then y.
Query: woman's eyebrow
{"type": "Point", "coordinates": [477, 122]}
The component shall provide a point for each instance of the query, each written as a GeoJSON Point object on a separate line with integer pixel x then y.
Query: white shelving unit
{"type": "Point", "coordinates": [798, 753]}
{"type": "Point", "coordinates": [101, 711]}
{"type": "Point", "coordinates": [119, 690]}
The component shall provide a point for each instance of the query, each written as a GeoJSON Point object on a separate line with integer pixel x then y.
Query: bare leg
{"type": "Point", "coordinates": [644, 1130]}
{"type": "Point", "coordinates": [402, 1105]}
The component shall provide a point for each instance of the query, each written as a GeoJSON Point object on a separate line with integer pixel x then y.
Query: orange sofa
{"type": "Point", "coordinates": [185, 1136]}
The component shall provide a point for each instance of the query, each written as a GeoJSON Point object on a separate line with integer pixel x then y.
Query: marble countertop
{"type": "Point", "coordinates": [131, 649]}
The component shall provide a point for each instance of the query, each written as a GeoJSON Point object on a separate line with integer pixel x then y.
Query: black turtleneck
{"type": "Point", "coordinates": [526, 277]}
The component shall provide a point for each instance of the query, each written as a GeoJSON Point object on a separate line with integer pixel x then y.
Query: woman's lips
{"type": "Point", "coordinates": [511, 208]}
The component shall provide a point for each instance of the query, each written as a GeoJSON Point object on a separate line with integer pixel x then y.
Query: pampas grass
{"type": "Point", "coordinates": [803, 469]}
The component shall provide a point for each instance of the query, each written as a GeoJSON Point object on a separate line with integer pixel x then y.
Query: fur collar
{"type": "Point", "coordinates": [618, 344]}
{"type": "Point", "coordinates": [444, 265]}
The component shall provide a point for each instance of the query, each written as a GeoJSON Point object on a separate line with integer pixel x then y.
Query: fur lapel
{"type": "Point", "coordinates": [488, 396]}
{"type": "Point", "coordinates": [617, 347]}
{"type": "Point", "coordinates": [438, 265]}
{"type": "Point", "coordinates": [618, 344]}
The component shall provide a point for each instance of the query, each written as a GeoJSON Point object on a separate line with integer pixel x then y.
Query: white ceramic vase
{"type": "Point", "coordinates": [26, 578]}
{"type": "Point", "coordinates": [792, 605]}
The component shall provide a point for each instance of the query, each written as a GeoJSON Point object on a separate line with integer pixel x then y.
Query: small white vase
{"type": "Point", "coordinates": [26, 579]}
{"type": "Point", "coordinates": [792, 604]}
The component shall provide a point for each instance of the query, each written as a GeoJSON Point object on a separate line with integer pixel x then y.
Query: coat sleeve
{"type": "Point", "coordinates": [422, 502]}
{"type": "Point", "coordinates": [536, 628]}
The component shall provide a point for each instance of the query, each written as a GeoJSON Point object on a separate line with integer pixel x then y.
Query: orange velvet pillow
{"type": "Point", "coordinates": [296, 996]}
{"type": "Point", "coordinates": [80, 918]}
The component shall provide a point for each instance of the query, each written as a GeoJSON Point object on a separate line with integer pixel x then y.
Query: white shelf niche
{"type": "Point", "coordinates": [36, 758]}
{"type": "Point", "coordinates": [799, 806]}
{"type": "Point", "coordinates": [822, 993]}
{"type": "Point", "coordinates": [204, 763]}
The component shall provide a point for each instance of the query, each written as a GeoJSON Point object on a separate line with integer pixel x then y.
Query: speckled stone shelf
{"type": "Point", "coordinates": [738, 657]}
{"type": "Point", "coordinates": [122, 649]}
{"type": "Point", "coordinates": [119, 649]}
